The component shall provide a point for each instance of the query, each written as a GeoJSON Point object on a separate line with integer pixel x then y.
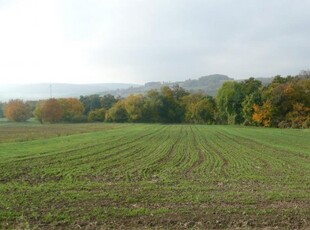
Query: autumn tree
{"type": "Point", "coordinates": [298, 94]}
{"type": "Point", "coordinates": [52, 111]}
{"type": "Point", "coordinates": [299, 117]}
{"type": "Point", "coordinates": [117, 113]}
{"type": "Point", "coordinates": [72, 108]}
{"type": "Point", "coordinates": [248, 108]}
{"type": "Point", "coordinates": [302, 87]}
{"type": "Point", "coordinates": [263, 114]}
{"type": "Point", "coordinates": [18, 110]}
{"type": "Point", "coordinates": [283, 94]}
{"type": "Point", "coordinates": [134, 107]}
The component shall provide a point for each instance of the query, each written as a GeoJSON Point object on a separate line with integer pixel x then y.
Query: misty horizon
{"type": "Point", "coordinates": [208, 84]}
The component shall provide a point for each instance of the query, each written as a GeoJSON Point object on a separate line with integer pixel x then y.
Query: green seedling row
{"type": "Point", "coordinates": [101, 176]}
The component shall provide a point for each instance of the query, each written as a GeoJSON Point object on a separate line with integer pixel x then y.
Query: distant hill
{"type": "Point", "coordinates": [43, 91]}
{"type": "Point", "coordinates": [207, 84]}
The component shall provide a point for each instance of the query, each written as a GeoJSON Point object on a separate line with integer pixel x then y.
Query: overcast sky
{"type": "Point", "coordinates": [136, 41]}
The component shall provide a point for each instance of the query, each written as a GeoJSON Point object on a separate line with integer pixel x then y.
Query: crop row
{"type": "Point", "coordinates": [146, 173]}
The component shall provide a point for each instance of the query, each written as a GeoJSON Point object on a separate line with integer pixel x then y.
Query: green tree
{"type": "Point", "coordinates": [171, 111]}
{"type": "Point", "coordinates": [38, 111]}
{"type": "Point", "coordinates": [2, 105]}
{"type": "Point", "coordinates": [250, 86]}
{"type": "Point", "coordinates": [152, 106]}
{"type": "Point", "coordinates": [199, 108]}
{"type": "Point", "coordinates": [229, 100]}
{"type": "Point", "coordinates": [90, 103]}
{"type": "Point", "coordinates": [179, 92]}
{"type": "Point", "coordinates": [206, 110]}
{"type": "Point", "coordinates": [251, 90]}
{"type": "Point", "coordinates": [107, 101]}
{"type": "Point", "coordinates": [247, 109]}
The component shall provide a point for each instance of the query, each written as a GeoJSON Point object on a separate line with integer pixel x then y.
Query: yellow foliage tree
{"type": "Point", "coordinates": [300, 116]}
{"type": "Point", "coordinates": [71, 107]}
{"type": "Point", "coordinates": [263, 114]}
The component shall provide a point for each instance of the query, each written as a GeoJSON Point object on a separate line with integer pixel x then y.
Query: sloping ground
{"type": "Point", "coordinates": [158, 176]}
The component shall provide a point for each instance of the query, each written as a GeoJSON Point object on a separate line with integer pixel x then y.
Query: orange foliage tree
{"type": "Point", "coordinates": [52, 111]}
{"type": "Point", "coordinates": [56, 110]}
{"type": "Point", "coordinates": [263, 114]}
{"type": "Point", "coordinates": [18, 110]}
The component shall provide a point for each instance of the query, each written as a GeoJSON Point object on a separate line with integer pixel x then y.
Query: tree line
{"type": "Point", "coordinates": [285, 102]}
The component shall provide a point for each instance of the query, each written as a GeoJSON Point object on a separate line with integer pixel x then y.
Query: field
{"type": "Point", "coordinates": [155, 176]}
